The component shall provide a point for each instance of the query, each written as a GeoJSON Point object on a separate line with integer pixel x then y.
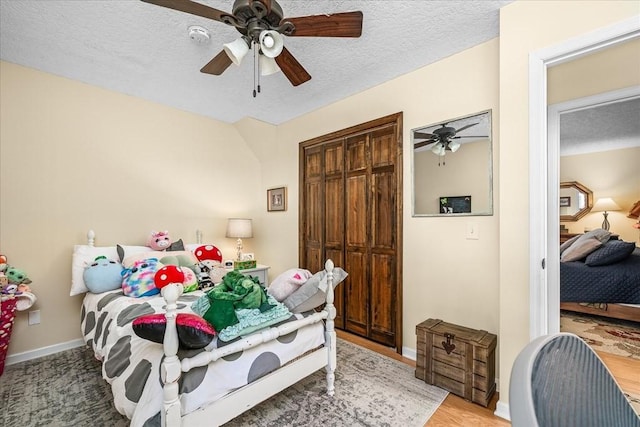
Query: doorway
{"type": "Point", "coordinates": [544, 190]}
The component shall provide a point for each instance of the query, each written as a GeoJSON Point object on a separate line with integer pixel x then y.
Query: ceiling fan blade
{"type": "Point", "coordinates": [427, 144]}
{"type": "Point", "coordinates": [292, 68]}
{"type": "Point", "coordinates": [346, 24]}
{"type": "Point", "coordinates": [191, 7]}
{"type": "Point", "coordinates": [218, 64]}
{"type": "Point", "coordinates": [465, 127]}
{"type": "Point", "coordinates": [471, 136]}
{"type": "Point", "coordinates": [424, 135]}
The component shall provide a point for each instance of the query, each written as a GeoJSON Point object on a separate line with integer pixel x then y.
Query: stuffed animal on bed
{"type": "Point", "coordinates": [138, 281]}
{"type": "Point", "coordinates": [102, 275]}
{"type": "Point", "coordinates": [161, 241]}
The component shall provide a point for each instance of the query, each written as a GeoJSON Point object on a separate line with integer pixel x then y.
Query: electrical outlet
{"type": "Point", "coordinates": [34, 317]}
{"type": "Point", "coordinates": [472, 231]}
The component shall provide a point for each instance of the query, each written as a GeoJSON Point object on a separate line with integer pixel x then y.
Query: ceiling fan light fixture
{"type": "Point", "coordinates": [438, 149]}
{"type": "Point", "coordinates": [237, 49]}
{"type": "Point", "coordinates": [268, 66]}
{"type": "Point", "coordinates": [271, 43]}
{"type": "Point", "coordinates": [454, 146]}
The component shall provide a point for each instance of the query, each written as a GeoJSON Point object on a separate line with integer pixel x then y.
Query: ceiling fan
{"type": "Point", "coordinates": [262, 24]}
{"type": "Point", "coordinates": [441, 139]}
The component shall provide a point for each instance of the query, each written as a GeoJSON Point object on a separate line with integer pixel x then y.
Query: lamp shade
{"type": "Point", "coordinates": [268, 66]}
{"type": "Point", "coordinates": [453, 146]}
{"type": "Point", "coordinates": [605, 204]}
{"type": "Point", "coordinates": [236, 50]}
{"type": "Point", "coordinates": [438, 149]}
{"type": "Point", "coordinates": [239, 228]}
{"type": "Point", "coordinates": [271, 43]}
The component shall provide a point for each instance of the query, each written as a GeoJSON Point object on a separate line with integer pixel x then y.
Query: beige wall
{"type": "Point", "coordinates": [464, 174]}
{"type": "Point", "coordinates": [434, 286]}
{"type": "Point", "coordinates": [614, 174]}
{"type": "Point", "coordinates": [525, 27]}
{"type": "Point", "coordinates": [75, 157]}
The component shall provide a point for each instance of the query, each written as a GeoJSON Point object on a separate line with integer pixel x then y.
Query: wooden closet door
{"type": "Point", "coordinates": [351, 212]}
{"type": "Point", "coordinates": [357, 293]}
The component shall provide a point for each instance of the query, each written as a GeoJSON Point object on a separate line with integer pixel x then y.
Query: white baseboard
{"type": "Point", "coordinates": [43, 351]}
{"type": "Point", "coordinates": [502, 410]}
{"type": "Point", "coordinates": [409, 353]}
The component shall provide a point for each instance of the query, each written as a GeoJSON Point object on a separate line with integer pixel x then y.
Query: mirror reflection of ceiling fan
{"type": "Point", "coordinates": [441, 139]}
{"type": "Point", "coordinates": [262, 27]}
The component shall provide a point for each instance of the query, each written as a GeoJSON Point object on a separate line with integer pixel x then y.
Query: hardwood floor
{"type": "Point", "coordinates": [456, 411]}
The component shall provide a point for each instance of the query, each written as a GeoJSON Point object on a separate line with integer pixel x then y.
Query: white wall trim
{"type": "Point", "coordinates": [43, 351]}
{"type": "Point", "coordinates": [409, 353]}
{"type": "Point", "coordinates": [544, 221]}
{"type": "Point", "coordinates": [502, 411]}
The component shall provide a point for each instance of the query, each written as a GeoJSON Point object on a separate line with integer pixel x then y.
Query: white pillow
{"type": "Point", "coordinates": [313, 292]}
{"type": "Point", "coordinates": [288, 282]}
{"type": "Point", "coordinates": [84, 255]}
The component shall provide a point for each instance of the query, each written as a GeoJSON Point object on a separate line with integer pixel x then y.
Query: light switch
{"type": "Point", "coordinates": [472, 231]}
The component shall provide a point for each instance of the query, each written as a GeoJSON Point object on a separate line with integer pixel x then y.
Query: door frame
{"type": "Point", "coordinates": [544, 160]}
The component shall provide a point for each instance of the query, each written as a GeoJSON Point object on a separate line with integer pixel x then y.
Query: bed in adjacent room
{"type": "Point", "coordinates": [600, 276]}
{"type": "Point", "coordinates": [168, 365]}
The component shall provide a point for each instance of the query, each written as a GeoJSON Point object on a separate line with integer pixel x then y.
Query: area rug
{"type": "Point", "coordinates": [602, 334]}
{"type": "Point", "coordinates": [67, 389]}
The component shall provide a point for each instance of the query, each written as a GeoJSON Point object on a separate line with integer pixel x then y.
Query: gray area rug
{"type": "Point", "coordinates": [67, 389]}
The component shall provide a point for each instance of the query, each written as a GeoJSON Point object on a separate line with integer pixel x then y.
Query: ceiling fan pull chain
{"type": "Point", "coordinates": [257, 61]}
{"type": "Point", "coordinates": [255, 66]}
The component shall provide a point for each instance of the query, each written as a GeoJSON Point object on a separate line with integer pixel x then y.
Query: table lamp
{"type": "Point", "coordinates": [239, 228]}
{"type": "Point", "coordinates": [604, 205]}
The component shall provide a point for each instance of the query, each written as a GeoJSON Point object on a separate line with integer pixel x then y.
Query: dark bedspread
{"type": "Point", "coordinates": [615, 283]}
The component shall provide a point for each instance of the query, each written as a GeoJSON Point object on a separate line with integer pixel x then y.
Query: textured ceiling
{"type": "Point", "coordinates": [605, 127]}
{"type": "Point", "coordinates": [144, 50]}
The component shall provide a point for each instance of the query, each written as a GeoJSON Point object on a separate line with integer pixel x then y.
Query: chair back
{"type": "Point", "coordinates": [559, 381]}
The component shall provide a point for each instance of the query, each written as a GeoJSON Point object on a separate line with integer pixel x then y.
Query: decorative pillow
{"type": "Point", "coordinates": [193, 331]}
{"type": "Point", "coordinates": [138, 280]}
{"type": "Point", "coordinates": [611, 252]}
{"type": "Point", "coordinates": [585, 244]}
{"type": "Point", "coordinates": [288, 282]}
{"type": "Point", "coordinates": [568, 243]}
{"type": "Point", "coordinates": [313, 292]}
{"type": "Point", "coordinates": [103, 275]}
{"type": "Point", "coordinates": [84, 255]}
{"type": "Point", "coordinates": [580, 250]}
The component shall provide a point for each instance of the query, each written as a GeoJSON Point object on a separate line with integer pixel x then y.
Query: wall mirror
{"type": "Point", "coordinates": [453, 167]}
{"type": "Point", "coordinates": [576, 201]}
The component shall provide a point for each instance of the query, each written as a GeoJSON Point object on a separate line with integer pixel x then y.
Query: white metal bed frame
{"type": "Point", "coordinates": [243, 399]}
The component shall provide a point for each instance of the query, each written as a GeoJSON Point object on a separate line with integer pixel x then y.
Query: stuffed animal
{"type": "Point", "coordinates": [159, 240]}
{"type": "Point", "coordinates": [102, 275]}
{"type": "Point", "coordinates": [137, 281]}
{"type": "Point", "coordinates": [15, 275]}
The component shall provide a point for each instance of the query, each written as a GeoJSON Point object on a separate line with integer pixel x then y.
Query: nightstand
{"type": "Point", "coordinates": [260, 271]}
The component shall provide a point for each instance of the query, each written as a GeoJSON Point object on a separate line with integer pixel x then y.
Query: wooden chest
{"type": "Point", "coordinates": [461, 360]}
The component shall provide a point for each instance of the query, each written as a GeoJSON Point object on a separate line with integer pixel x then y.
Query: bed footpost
{"type": "Point", "coordinates": [330, 333]}
{"type": "Point", "coordinates": [170, 369]}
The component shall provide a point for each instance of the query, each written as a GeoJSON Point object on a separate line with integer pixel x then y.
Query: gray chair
{"type": "Point", "coordinates": [559, 381]}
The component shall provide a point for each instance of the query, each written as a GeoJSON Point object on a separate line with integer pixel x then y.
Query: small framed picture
{"type": "Point", "coordinates": [565, 202]}
{"type": "Point", "coordinates": [247, 256]}
{"type": "Point", "coordinates": [277, 199]}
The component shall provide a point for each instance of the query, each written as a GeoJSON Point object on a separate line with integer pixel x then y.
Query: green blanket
{"type": "Point", "coordinates": [236, 292]}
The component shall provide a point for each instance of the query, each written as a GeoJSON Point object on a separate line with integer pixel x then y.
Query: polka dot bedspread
{"type": "Point", "coordinates": [131, 365]}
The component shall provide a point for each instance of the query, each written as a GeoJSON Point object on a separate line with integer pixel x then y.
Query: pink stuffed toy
{"type": "Point", "coordinates": [159, 240]}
